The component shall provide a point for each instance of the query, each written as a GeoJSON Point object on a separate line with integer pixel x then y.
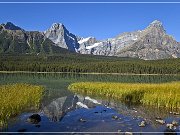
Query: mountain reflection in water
{"type": "Point", "coordinates": [62, 111]}
{"type": "Point", "coordinates": [57, 109]}
{"type": "Point", "coordinates": [75, 113]}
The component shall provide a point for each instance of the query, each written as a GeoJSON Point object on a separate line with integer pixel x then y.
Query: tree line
{"type": "Point", "coordinates": [86, 64]}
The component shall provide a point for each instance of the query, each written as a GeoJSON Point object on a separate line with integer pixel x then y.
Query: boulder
{"type": "Point", "coordinates": [34, 119]}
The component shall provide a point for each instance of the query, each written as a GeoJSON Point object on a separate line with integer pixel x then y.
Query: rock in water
{"type": "Point", "coordinates": [161, 121]}
{"type": "Point", "coordinates": [170, 126]}
{"type": "Point", "coordinates": [169, 132]}
{"type": "Point", "coordinates": [34, 119]}
{"type": "Point", "coordinates": [142, 124]}
{"type": "Point", "coordinates": [128, 133]}
{"type": "Point", "coordinates": [82, 105]}
{"type": "Point", "coordinates": [115, 117]}
{"type": "Point", "coordinates": [175, 123]}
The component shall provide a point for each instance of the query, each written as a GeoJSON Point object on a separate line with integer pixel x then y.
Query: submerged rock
{"type": "Point", "coordinates": [104, 110]}
{"type": "Point", "coordinates": [22, 130]}
{"type": "Point", "coordinates": [34, 119]}
{"type": "Point", "coordinates": [38, 126]}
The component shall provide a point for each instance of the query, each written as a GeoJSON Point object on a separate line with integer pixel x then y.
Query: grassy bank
{"type": "Point", "coordinates": [15, 98]}
{"type": "Point", "coordinates": [159, 95]}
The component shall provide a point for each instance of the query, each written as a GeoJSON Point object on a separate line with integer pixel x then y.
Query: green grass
{"type": "Point", "coordinates": [158, 95]}
{"type": "Point", "coordinates": [15, 98]}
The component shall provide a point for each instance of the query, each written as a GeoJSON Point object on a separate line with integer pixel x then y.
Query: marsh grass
{"type": "Point", "coordinates": [14, 98]}
{"type": "Point", "coordinates": [158, 95]}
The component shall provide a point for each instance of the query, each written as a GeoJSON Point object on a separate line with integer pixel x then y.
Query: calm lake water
{"type": "Point", "coordinates": [64, 111]}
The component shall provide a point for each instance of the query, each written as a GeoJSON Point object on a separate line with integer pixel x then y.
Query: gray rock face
{"type": "Point", "coordinates": [84, 43]}
{"type": "Point", "coordinates": [62, 37]}
{"type": "Point", "coordinates": [153, 44]}
{"type": "Point", "coordinates": [149, 44]}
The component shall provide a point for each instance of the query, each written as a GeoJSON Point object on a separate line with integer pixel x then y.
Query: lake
{"type": "Point", "coordinates": [64, 111]}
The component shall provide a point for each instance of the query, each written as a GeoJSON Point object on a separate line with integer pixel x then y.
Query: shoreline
{"type": "Point", "coordinates": [92, 73]}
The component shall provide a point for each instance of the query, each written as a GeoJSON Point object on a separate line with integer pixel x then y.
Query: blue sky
{"type": "Point", "coordinates": [98, 20]}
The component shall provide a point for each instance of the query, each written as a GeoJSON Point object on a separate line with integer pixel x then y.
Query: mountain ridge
{"type": "Point", "coordinates": [14, 39]}
{"type": "Point", "coordinates": [150, 43]}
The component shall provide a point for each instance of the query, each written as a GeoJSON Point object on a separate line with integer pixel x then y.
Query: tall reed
{"type": "Point", "coordinates": [14, 98]}
{"type": "Point", "coordinates": [159, 95]}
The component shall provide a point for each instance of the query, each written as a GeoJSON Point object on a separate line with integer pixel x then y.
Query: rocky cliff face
{"type": "Point", "coordinates": [85, 43]}
{"type": "Point", "coordinates": [62, 37]}
{"type": "Point", "coordinates": [13, 39]}
{"type": "Point", "coordinates": [148, 44]}
{"type": "Point", "coordinates": [153, 44]}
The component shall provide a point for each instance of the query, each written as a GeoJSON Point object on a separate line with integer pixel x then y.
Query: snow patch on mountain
{"type": "Point", "coordinates": [94, 45]}
{"type": "Point", "coordinates": [83, 40]}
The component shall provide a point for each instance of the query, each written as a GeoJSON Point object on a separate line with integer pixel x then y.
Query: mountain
{"type": "Point", "coordinates": [149, 44]}
{"type": "Point", "coordinates": [85, 43]}
{"type": "Point", "coordinates": [62, 37]}
{"type": "Point", "coordinates": [14, 39]}
{"type": "Point", "coordinates": [11, 26]}
{"type": "Point", "coordinates": [153, 43]}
